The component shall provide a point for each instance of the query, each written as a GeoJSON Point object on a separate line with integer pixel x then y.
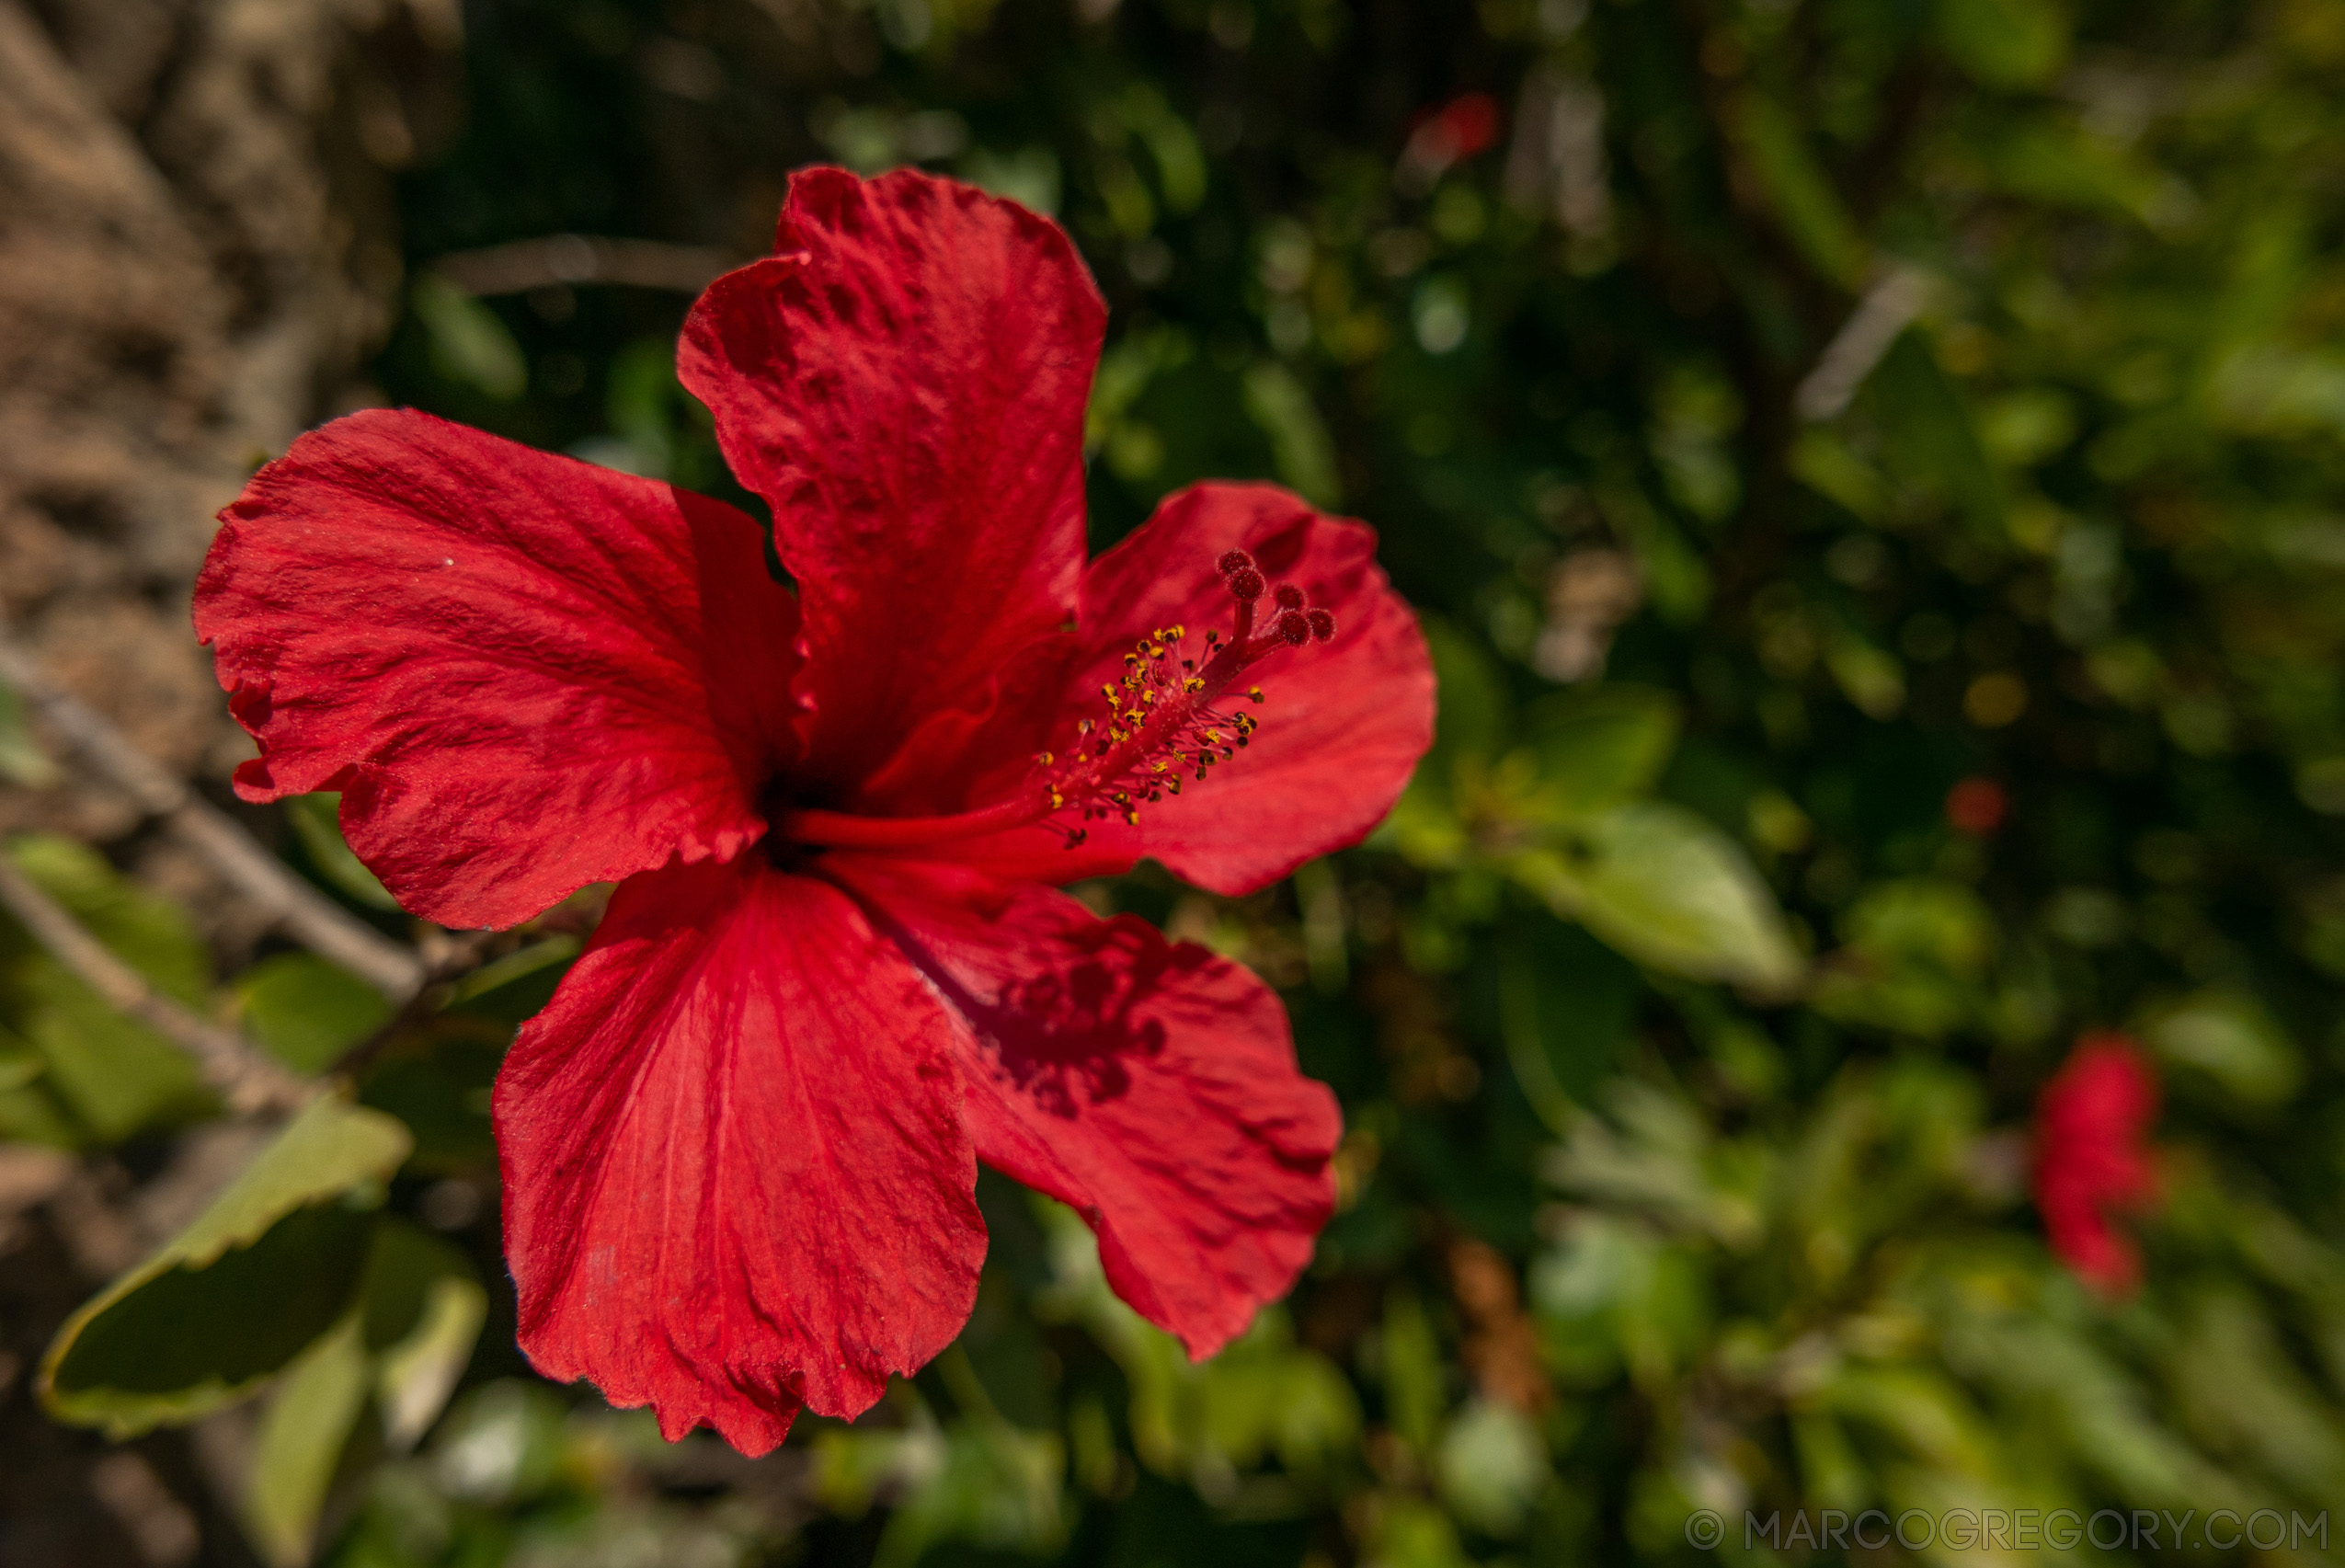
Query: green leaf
{"type": "Point", "coordinates": [1565, 1007]}
{"type": "Point", "coordinates": [1869, 678]}
{"type": "Point", "coordinates": [1470, 719]}
{"type": "Point", "coordinates": [19, 1063]}
{"type": "Point", "coordinates": [306, 1011]}
{"type": "Point", "coordinates": [2005, 43]}
{"type": "Point", "coordinates": [985, 1482]}
{"type": "Point", "coordinates": [1917, 951]}
{"type": "Point", "coordinates": [422, 1312]}
{"type": "Point", "coordinates": [1414, 1398]}
{"type": "Point", "coordinates": [259, 1277]}
{"type": "Point", "coordinates": [22, 761]}
{"type": "Point", "coordinates": [2228, 1036]}
{"type": "Point", "coordinates": [405, 1340]}
{"type": "Point", "coordinates": [33, 1115]}
{"type": "Point", "coordinates": [469, 344]}
{"type": "Point", "coordinates": [316, 820]}
{"type": "Point", "coordinates": [1799, 191]}
{"type": "Point", "coordinates": [1824, 462]}
{"type": "Point", "coordinates": [1469, 724]}
{"type": "Point", "coordinates": [1601, 745]}
{"type": "Point", "coordinates": [1932, 438]}
{"type": "Point", "coordinates": [301, 1443]}
{"type": "Point", "coordinates": [1670, 890]}
{"type": "Point", "coordinates": [1301, 448]}
{"type": "Point", "coordinates": [1413, 1533]}
{"type": "Point", "coordinates": [1492, 1466]}
{"type": "Point", "coordinates": [110, 1075]}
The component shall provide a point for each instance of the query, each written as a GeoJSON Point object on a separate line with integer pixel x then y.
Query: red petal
{"type": "Point", "coordinates": [735, 1176]}
{"type": "Point", "coordinates": [1150, 1084]}
{"type": "Point", "coordinates": [906, 384]}
{"type": "Point", "coordinates": [525, 673]}
{"type": "Point", "coordinates": [1342, 725]}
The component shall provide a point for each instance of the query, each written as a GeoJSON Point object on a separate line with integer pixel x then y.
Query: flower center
{"type": "Point", "coordinates": [1163, 723]}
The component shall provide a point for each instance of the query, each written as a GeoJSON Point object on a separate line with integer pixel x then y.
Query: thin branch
{"type": "Point", "coordinates": [305, 915]}
{"type": "Point", "coordinates": [581, 258]}
{"type": "Point", "coordinates": [1886, 310]}
{"type": "Point", "coordinates": [246, 1078]}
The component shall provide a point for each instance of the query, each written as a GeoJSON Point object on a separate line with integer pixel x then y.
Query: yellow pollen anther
{"type": "Point", "coordinates": [1193, 684]}
{"type": "Point", "coordinates": [1254, 696]}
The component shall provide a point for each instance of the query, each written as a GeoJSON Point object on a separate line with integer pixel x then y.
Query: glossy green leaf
{"type": "Point", "coordinates": [234, 1296]}
{"type": "Point", "coordinates": [1668, 889]}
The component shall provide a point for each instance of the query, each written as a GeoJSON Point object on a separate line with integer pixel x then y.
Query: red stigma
{"type": "Point", "coordinates": [1286, 596]}
{"type": "Point", "coordinates": [1245, 584]}
{"type": "Point", "coordinates": [1294, 627]}
{"type": "Point", "coordinates": [1323, 625]}
{"type": "Point", "coordinates": [1233, 562]}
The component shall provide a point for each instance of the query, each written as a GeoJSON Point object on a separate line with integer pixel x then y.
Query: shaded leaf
{"type": "Point", "coordinates": [1601, 745]}
{"type": "Point", "coordinates": [234, 1296]}
{"type": "Point", "coordinates": [113, 1076]}
{"type": "Point", "coordinates": [306, 1011]}
{"type": "Point", "coordinates": [316, 819]}
{"type": "Point", "coordinates": [300, 1445]}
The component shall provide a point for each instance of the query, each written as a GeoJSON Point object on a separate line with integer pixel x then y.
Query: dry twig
{"type": "Point", "coordinates": [246, 1077]}
{"type": "Point", "coordinates": [304, 915]}
{"type": "Point", "coordinates": [1886, 310]}
{"type": "Point", "coordinates": [580, 258]}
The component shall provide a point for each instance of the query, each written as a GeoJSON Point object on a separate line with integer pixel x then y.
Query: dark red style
{"type": "Point", "coordinates": [741, 1145]}
{"type": "Point", "coordinates": [2093, 1160]}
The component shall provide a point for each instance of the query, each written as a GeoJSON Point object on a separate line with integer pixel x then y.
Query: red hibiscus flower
{"type": "Point", "coordinates": [739, 1146]}
{"type": "Point", "coordinates": [2092, 1157]}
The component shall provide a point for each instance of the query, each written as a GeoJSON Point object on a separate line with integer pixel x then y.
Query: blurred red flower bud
{"type": "Point", "coordinates": [2093, 1160]}
{"type": "Point", "coordinates": [1460, 129]}
{"type": "Point", "coordinates": [1976, 806]}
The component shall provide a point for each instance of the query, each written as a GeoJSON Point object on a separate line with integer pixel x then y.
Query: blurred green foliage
{"type": "Point", "coordinates": [1804, 407]}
